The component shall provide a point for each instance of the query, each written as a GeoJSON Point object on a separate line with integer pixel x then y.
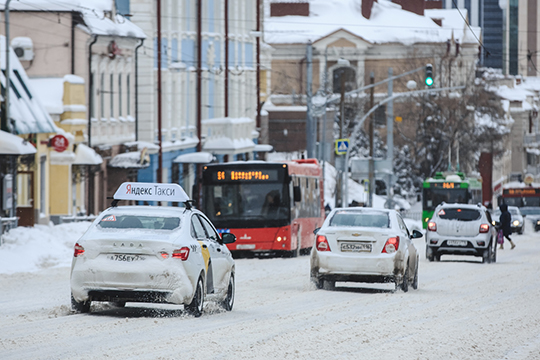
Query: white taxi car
{"type": "Point", "coordinates": [152, 254]}
{"type": "Point", "coordinates": [364, 245]}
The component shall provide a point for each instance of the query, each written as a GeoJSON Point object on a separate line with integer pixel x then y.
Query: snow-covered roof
{"type": "Point", "coordinates": [13, 145]}
{"type": "Point", "coordinates": [25, 105]}
{"type": "Point", "coordinates": [388, 23]}
{"type": "Point", "coordinates": [51, 93]}
{"type": "Point", "coordinates": [517, 184]}
{"type": "Point", "coordinates": [201, 157]}
{"type": "Point", "coordinates": [263, 148]}
{"type": "Point", "coordinates": [85, 155]}
{"type": "Point", "coordinates": [128, 160]}
{"type": "Point", "coordinates": [93, 13]}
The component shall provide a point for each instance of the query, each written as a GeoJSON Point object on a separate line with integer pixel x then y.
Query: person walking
{"type": "Point", "coordinates": [505, 221]}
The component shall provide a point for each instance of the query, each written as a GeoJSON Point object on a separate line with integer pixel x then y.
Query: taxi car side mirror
{"type": "Point", "coordinates": [416, 234]}
{"type": "Point", "coordinates": [228, 238]}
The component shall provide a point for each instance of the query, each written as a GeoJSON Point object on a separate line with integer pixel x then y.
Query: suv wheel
{"type": "Point", "coordinates": [487, 255]}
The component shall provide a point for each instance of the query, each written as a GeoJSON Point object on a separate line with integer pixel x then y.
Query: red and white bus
{"type": "Point", "coordinates": [271, 207]}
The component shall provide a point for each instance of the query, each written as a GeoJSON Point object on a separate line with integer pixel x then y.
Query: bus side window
{"type": "Point", "coordinates": [297, 193]}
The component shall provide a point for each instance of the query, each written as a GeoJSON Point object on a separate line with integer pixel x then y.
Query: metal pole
{"type": "Point", "coordinates": [390, 135]}
{"type": "Point", "coordinates": [323, 138]}
{"type": "Point", "coordinates": [371, 132]}
{"type": "Point", "coordinates": [310, 140]}
{"type": "Point", "coordinates": [258, 50]}
{"type": "Point", "coordinates": [199, 99]}
{"type": "Point", "coordinates": [9, 124]}
{"type": "Point", "coordinates": [137, 91]}
{"type": "Point", "coordinates": [226, 90]}
{"type": "Point", "coordinates": [160, 154]}
{"type": "Point", "coordinates": [345, 202]}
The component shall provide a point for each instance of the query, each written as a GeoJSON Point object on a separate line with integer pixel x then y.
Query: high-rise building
{"type": "Point", "coordinates": [489, 16]}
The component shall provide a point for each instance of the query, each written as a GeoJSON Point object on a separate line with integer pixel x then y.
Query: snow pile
{"type": "Point", "coordinates": [27, 249]}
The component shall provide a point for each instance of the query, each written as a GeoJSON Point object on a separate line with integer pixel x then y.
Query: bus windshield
{"type": "Point", "coordinates": [433, 197]}
{"type": "Point", "coordinates": [247, 204]}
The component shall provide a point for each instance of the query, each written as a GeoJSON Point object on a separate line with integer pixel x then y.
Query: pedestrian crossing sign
{"type": "Point", "coordinates": [341, 146]}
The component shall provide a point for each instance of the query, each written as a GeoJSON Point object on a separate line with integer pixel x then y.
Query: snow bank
{"type": "Point", "coordinates": [27, 249]}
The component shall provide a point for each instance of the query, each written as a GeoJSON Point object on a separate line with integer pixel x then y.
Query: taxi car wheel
{"type": "Point", "coordinates": [82, 307]}
{"type": "Point", "coordinates": [415, 281]}
{"type": "Point", "coordinates": [329, 285]}
{"type": "Point", "coordinates": [195, 308]}
{"type": "Point", "coordinates": [229, 299]}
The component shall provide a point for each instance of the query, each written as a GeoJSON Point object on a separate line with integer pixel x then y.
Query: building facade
{"type": "Point", "coordinates": [227, 92]}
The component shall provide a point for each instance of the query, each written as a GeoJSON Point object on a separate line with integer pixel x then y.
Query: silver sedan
{"type": "Point", "coordinates": [364, 245]}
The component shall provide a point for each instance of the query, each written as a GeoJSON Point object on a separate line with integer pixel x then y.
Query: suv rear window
{"type": "Point", "coordinates": [459, 214]}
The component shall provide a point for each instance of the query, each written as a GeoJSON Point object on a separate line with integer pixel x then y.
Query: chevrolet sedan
{"type": "Point", "coordinates": [364, 245]}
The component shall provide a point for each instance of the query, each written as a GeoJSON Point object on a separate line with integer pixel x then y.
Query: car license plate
{"type": "Point", "coordinates": [245, 246]}
{"type": "Point", "coordinates": [355, 247]}
{"type": "Point", "coordinates": [126, 258]}
{"type": "Point", "coordinates": [457, 242]}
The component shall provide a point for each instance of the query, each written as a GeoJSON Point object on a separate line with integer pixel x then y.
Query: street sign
{"type": "Point", "coordinates": [341, 146]}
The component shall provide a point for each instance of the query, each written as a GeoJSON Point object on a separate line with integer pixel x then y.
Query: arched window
{"type": "Point", "coordinates": [350, 79]}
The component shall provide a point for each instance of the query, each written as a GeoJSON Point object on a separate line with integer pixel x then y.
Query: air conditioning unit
{"type": "Point", "coordinates": [23, 48]}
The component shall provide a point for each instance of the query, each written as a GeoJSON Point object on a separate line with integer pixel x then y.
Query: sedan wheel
{"type": "Point", "coordinates": [82, 307]}
{"type": "Point", "coordinates": [405, 282]}
{"type": "Point", "coordinates": [228, 302]}
{"type": "Point", "coordinates": [196, 306]}
{"type": "Point", "coordinates": [415, 280]}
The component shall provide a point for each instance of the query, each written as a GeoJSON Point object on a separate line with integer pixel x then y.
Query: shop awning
{"type": "Point", "coordinates": [85, 155]}
{"type": "Point", "coordinates": [13, 145]}
{"type": "Point", "coordinates": [263, 148]}
{"type": "Point", "coordinates": [201, 157]}
{"type": "Point", "coordinates": [130, 160]}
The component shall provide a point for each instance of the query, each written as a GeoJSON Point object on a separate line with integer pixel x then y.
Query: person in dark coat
{"type": "Point", "coordinates": [506, 224]}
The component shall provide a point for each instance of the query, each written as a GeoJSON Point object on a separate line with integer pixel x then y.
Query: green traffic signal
{"type": "Point", "coordinates": [429, 75]}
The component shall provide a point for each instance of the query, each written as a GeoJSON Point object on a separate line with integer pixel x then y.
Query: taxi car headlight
{"type": "Point", "coordinates": [516, 223]}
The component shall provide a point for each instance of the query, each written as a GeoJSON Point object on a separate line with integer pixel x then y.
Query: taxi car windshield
{"type": "Point", "coordinates": [368, 219]}
{"type": "Point", "coordinates": [139, 222]}
{"type": "Point", "coordinates": [459, 214]}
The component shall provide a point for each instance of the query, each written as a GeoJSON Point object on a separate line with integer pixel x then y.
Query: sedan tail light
{"type": "Point", "coordinates": [79, 250]}
{"type": "Point", "coordinates": [322, 243]}
{"type": "Point", "coordinates": [484, 228]}
{"type": "Point", "coordinates": [391, 246]}
{"type": "Point", "coordinates": [181, 254]}
{"type": "Point", "coordinates": [432, 226]}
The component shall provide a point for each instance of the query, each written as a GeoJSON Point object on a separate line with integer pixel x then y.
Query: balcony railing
{"type": "Point", "coordinates": [112, 131]}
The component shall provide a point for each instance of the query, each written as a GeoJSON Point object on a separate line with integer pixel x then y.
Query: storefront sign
{"type": "Point", "coordinates": [59, 143]}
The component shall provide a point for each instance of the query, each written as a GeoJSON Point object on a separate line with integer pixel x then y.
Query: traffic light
{"type": "Point", "coordinates": [429, 75]}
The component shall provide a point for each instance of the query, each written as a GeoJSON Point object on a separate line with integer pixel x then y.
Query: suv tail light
{"type": "Point", "coordinates": [322, 243]}
{"type": "Point", "coordinates": [484, 228]}
{"type": "Point", "coordinates": [391, 246]}
{"type": "Point", "coordinates": [432, 226]}
{"type": "Point", "coordinates": [181, 254]}
{"type": "Point", "coordinates": [79, 250]}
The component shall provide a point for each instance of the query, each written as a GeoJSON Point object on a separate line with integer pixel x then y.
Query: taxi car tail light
{"type": "Point", "coordinates": [432, 226]}
{"type": "Point", "coordinates": [391, 246]}
{"type": "Point", "coordinates": [484, 228]}
{"type": "Point", "coordinates": [322, 243]}
{"type": "Point", "coordinates": [78, 250]}
{"type": "Point", "coordinates": [182, 253]}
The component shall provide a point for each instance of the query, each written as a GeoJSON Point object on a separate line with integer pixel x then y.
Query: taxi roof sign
{"type": "Point", "coordinates": [150, 192]}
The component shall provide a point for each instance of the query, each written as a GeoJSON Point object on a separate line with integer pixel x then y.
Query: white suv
{"type": "Point", "coordinates": [461, 229]}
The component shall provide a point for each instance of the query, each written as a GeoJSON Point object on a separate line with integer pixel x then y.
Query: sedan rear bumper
{"type": "Point", "coordinates": [363, 268]}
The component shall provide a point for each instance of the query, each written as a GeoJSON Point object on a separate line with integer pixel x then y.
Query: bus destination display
{"type": "Point", "coordinates": [242, 175]}
{"type": "Point", "coordinates": [446, 185]}
{"type": "Point", "coordinates": [522, 192]}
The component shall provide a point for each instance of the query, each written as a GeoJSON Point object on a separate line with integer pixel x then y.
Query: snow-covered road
{"type": "Point", "coordinates": [462, 310]}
